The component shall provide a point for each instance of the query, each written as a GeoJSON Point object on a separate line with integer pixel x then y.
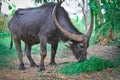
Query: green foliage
{"type": "Point", "coordinates": [12, 7]}
{"type": "Point", "coordinates": [94, 6]}
{"type": "Point", "coordinates": [9, 7]}
{"type": "Point", "coordinates": [107, 20]}
{"type": "Point", "coordinates": [93, 64]}
{"type": "Point", "coordinates": [103, 30]}
{"type": "Point", "coordinates": [6, 55]}
{"type": "Point", "coordinates": [3, 24]}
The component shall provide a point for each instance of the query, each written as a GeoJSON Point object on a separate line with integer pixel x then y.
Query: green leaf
{"type": "Point", "coordinates": [9, 7]}
{"type": "Point", "coordinates": [105, 6]}
{"type": "Point", "coordinates": [12, 13]}
{"type": "Point", "coordinates": [103, 1]}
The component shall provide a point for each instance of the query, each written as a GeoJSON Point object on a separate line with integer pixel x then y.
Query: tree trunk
{"type": "Point", "coordinates": [86, 21]}
{"type": "Point", "coordinates": [85, 11]}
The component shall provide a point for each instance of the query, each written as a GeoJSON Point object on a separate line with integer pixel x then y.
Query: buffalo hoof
{"type": "Point", "coordinates": [39, 69]}
{"type": "Point", "coordinates": [22, 67]}
{"type": "Point", "coordinates": [52, 64]}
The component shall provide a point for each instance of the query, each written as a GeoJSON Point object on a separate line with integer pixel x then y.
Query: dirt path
{"type": "Point", "coordinates": [51, 72]}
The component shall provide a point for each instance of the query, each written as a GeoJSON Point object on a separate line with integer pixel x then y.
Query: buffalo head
{"type": "Point", "coordinates": [79, 42]}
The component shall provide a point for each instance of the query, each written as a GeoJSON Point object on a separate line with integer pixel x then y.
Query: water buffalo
{"type": "Point", "coordinates": [48, 23]}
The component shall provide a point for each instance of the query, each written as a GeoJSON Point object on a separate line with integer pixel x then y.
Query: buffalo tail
{"type": "Point", "coordinates": [11, 43]}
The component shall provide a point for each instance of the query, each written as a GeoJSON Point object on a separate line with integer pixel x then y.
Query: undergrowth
{"type": "Point", "coordinates": [93, 64]}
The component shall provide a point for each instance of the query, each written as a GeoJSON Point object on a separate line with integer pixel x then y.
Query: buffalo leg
{"type": "Point", "coordinates": [43, 42]}
{"type": "Point", "coordinates": [28, 53]}
{"type": "Point", "coordinates": [53, 53]}
{"type": "Point", "coordinates": [19, 51]}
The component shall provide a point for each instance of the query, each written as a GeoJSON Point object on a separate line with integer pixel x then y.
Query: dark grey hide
{"type": "Point", "coordinates": [36, 25]}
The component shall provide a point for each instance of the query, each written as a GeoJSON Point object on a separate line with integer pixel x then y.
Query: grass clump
{"type": "Point", "coordinates": [93, 64]}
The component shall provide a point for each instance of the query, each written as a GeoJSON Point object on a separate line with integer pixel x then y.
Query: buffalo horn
{"type": "Point", "coordinates": [91, 26]}
{"type": "Point", "coordinates": [72, 36]}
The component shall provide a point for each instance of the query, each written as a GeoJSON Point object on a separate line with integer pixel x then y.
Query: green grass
{"type": "Point", "coordinates": [93, 64]}
{"type": "Point", "coordinates": [6, 55]}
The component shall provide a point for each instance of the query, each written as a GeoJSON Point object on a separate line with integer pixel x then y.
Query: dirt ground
{"type": "Point", "coordinates": [51, 72]}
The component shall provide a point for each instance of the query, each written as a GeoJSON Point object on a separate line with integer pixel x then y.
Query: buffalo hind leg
{"type": "Point", "coordinates": [28, 53]}
{"type": "Point", "coordinates": [19, 51]}
{"type": "Point", "coordinates": [43, 42]}
{"type": "Point", "coordinates": [53, 53]}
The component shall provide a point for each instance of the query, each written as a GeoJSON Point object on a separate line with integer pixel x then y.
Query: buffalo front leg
{"type": "Point", "coordinates": [53, 53]}
{"type": "Point", "coordinates": [19, 51]}
{"type": "Point", "coordinates": [28, 53]}
{"type": "Point", "coordinates": [43, 42]}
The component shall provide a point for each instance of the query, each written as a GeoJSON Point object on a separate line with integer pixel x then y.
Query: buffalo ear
{"type": "Point", "coordinates": [68, 43]}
